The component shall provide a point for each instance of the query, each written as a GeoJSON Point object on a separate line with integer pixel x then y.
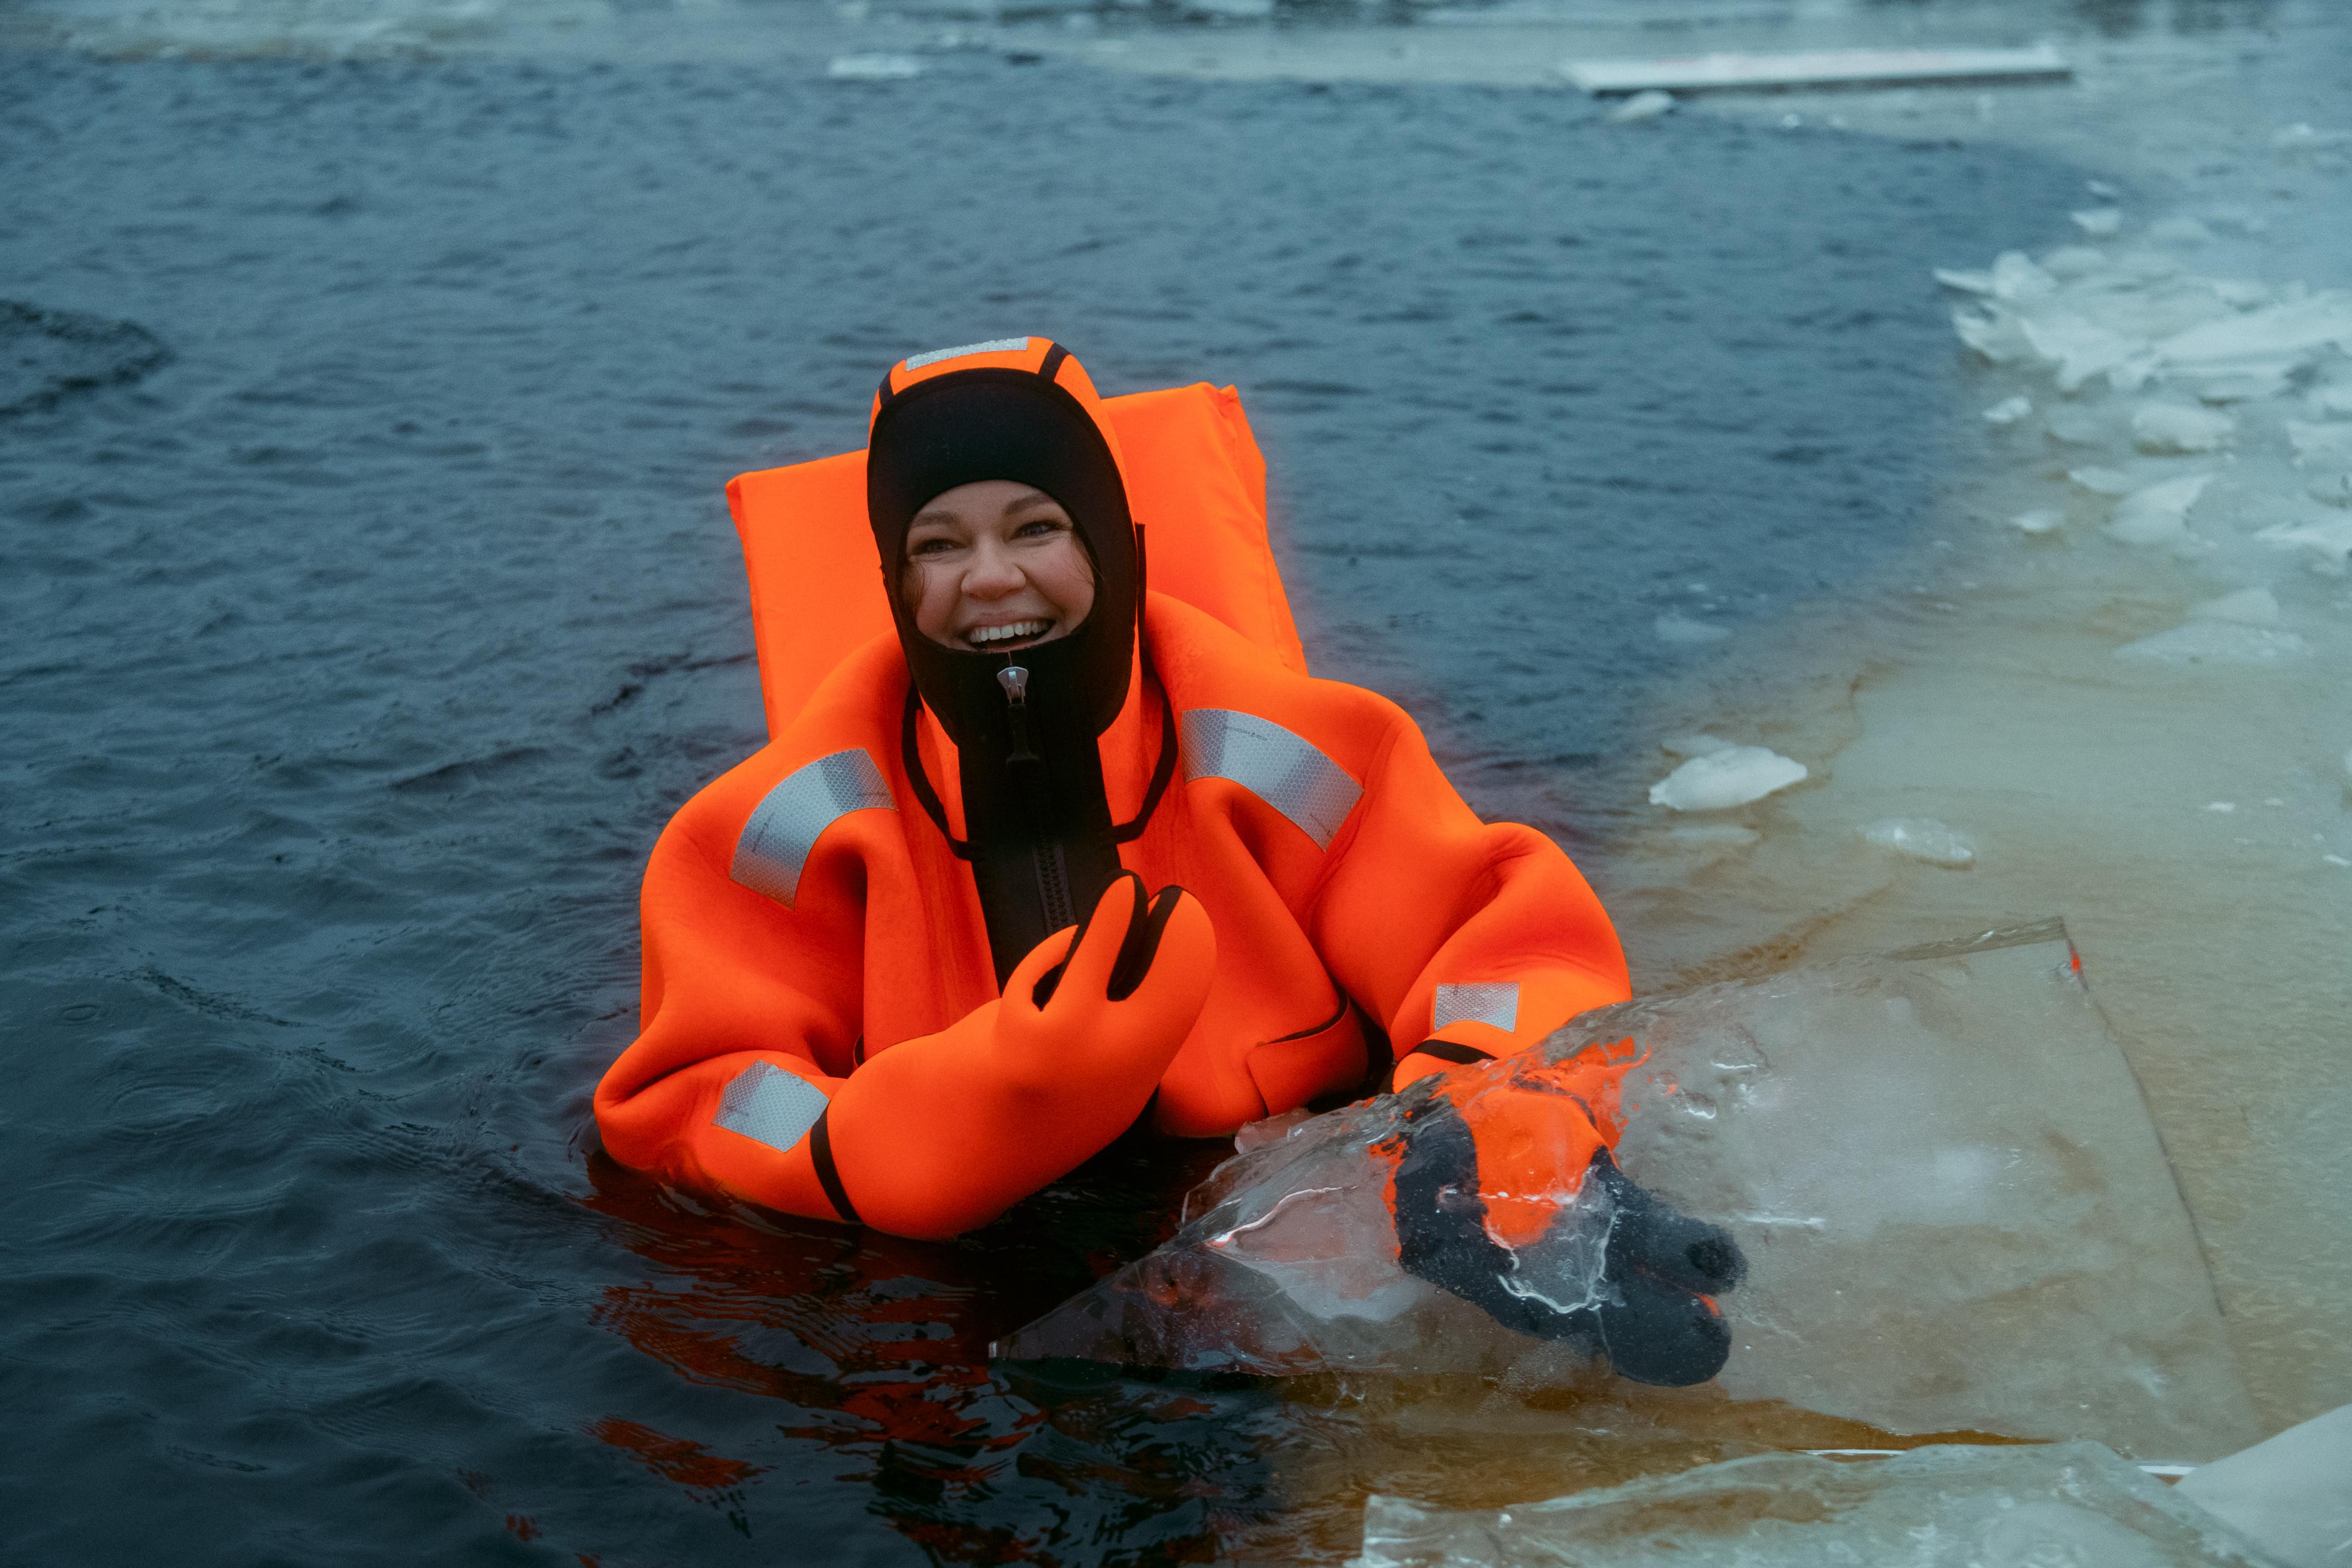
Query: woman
{"type": "Point", "coordinates": [906, 964]}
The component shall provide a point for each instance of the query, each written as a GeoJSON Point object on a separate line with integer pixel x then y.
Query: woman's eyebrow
{"type": "Point", "coordinates": [1027, 498]}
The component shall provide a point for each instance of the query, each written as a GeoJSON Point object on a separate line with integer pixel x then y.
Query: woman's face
{"type": "Point", "coordinates": [995, 565]}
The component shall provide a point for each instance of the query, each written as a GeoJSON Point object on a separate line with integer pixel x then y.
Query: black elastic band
{"type": "Point", "coordinates": [829, 1175]}
{"type": "Point", "coordinates": [1446, 1051]}
{"type": "Point", "coordinates": [1051, 365]}
{"type": "Point", "coordinates": [885, 394]}
{"type": "Point", "coordinates": [919, 781]}
{"type": "Point", "coordinates": [1161, 772]}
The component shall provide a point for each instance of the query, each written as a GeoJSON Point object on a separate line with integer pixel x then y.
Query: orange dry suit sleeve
{"type": "Point", "coordinates": [1480, 937]}
{"type": "Point", "coordinates": [723, 1091]}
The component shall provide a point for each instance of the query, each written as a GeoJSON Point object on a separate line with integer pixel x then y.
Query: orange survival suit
{"type": "Point", "coordinates": [900, 965]}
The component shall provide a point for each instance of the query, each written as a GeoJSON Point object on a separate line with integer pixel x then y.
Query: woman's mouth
{"type": "Point", "coordinates": [1012, 634]}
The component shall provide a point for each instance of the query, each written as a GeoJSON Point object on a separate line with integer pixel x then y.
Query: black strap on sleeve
{"type": "Point", "coordinates": [1051, 365]}
{"type": "Point", "coordinates": [829, 1175]}
{"type": "Point", "coordinates": [1446, 1051]}
{"type": "Point", "coordinates": [912, 756]}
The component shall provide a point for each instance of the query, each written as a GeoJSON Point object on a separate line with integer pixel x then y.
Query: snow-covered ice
{"type": "Point", "coordinates": [2009, 411]}
{"type": "Point", "coordinates": [1721, 779]}
{"type": "Point", "coordinates": [1923, 838]}
{"type": "Point", "coordinates": [2099, 222]}
{"type": "Point", "coordinates": [2040, 520]}
{"type": "Point", "coordinates": [2067, 1505]}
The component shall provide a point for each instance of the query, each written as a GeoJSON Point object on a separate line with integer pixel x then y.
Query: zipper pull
{"type": "Point", "coordinates": [1014, 679]}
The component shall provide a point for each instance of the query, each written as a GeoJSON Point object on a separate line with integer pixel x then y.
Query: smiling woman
{"type": "Point", "coordinates": [995, 565]}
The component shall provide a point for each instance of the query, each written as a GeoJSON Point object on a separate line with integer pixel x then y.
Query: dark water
{"type": "Point", "coordinates": [369, 603]}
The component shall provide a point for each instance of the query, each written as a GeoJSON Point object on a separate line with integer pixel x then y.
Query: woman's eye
{"type": "Point", "coordinates": [1038, 527]}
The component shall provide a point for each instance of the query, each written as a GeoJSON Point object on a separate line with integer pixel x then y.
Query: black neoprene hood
{"type": "Point", "coordinates": [997, 423]}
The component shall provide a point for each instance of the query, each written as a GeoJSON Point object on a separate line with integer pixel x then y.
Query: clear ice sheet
{"type": "Point", "coordinates": [1957, 1215]}
{"type": "Point", "coordinates": [2067, 1505]}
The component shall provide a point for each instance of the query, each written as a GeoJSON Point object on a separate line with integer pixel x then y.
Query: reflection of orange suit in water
{"type": "Point", "coordinates": [842, 936]}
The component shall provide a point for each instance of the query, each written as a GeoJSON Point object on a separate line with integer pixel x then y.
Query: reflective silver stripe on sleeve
{"type": "Point", "coordinates": [1488, 1001]}
{"type": "Point", "coordinates": [766, 1102]}
{"type": "Point", "coordinates": [783, 827]}
{"type": "Point", "coordinates": [1277, 767]}
{"type": "Point", "coordinates": [993, 346]}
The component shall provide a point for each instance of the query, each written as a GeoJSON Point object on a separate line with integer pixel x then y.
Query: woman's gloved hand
{"type": "Point", "coordinates": [936, 1135]}
{"type": "Point", "coordinates": [1512, 1201]}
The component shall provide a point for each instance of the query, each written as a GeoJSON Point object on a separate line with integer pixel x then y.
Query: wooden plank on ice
{"type": "Point", "coordinates": [1816, 69]}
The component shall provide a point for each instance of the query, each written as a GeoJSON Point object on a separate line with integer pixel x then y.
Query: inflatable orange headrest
{"type": "Point", "coordinates": [1196, 483]}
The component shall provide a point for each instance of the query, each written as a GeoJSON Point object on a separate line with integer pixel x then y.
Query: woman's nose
{"type": "Point", "coordinates": [993, 574]}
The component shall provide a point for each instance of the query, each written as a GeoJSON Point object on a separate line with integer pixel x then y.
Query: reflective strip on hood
{"type": "Point", "coordinates": [765, 1102]}
{"type": "Point", "coordinates": [1487, 1001]}
{"type": "Point", "coordinates": [783, 827]}
{"type": "Point", "coordinates": [1280, 768]}
{"type": "Point", "coordinates": [994, 346]}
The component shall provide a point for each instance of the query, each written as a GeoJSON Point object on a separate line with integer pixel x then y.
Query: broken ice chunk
{"type": "Point", "coordinates": [2167, 427]}
{"type": "Point", "coordinates": [2329, 541]}
{"type": "Point", "coordinates": [874, 68]}
{"type": "Point", "coordinates": [2334, 490]}
{"type": "Point", "coordinates": [1722, 779]}
{"type": "Point", "coordinates": [1998, 335]}
{"type": "Point", "coordinates": [2101, 481]}
{"type": "Point", "coordinates": [2217, 642]}
{"type": "Point", "coordinates": [2099, 222]}
{"type": "Point", "coordinates": [2079, 348]}
{"type": "Point", "coordinates": [2015, 277]}
{"type": "Point", "coordinates": [1944, 1506]}
{"type": "Point", "coordinates": [2074, 262]}
{"type": "Point", "coordinates": [2009, 411]}
{"type": "Point", "coordinates": [2076, 427]}
{"type": "Point", "coordinates": [2041, 520]}
{"type": "Point", "coordinates": [2247, 607]}
{"type": "Point", "coordinates": [2291, 1495]}
{"type": "Point", "coordinates": [1683, 631]}
{"type": "Point", "coordinates": [2320, 445]}
{"type": "Point", "coordinates": [2155, 514]}
{"type": "Point", "coordinates": [1924, 839]}
{"type": "Point", "coordinates": [2296, 327]}
{"type": "Point", "coordinates": [2332, 402]}
{"type": "Point", "coordinates": [1642, 106]}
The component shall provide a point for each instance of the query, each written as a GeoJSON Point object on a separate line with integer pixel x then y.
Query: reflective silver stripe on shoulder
{"type": "Point", "coordinates": [783, 827]}
{"type": "Point", "coordinates": [766, 1102]}
{"type": "Point", "coordinates": [993, 346]}
{"type": "Point", "coordinates": [1488, 1001]}
{"type": "Point", "coordinates": [1277, 767]}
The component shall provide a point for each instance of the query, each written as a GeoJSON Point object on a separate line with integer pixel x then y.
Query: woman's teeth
{"type": "Point", "coordinates": [987, 636]}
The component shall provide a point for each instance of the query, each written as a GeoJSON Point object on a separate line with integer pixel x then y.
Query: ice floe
{"type": "Point", "coordinates": [1944, 1506]}
{"type": "Point", "coordinates": [2040, 520]}
{"type": "Point", "coordinates": [1721, 779]}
